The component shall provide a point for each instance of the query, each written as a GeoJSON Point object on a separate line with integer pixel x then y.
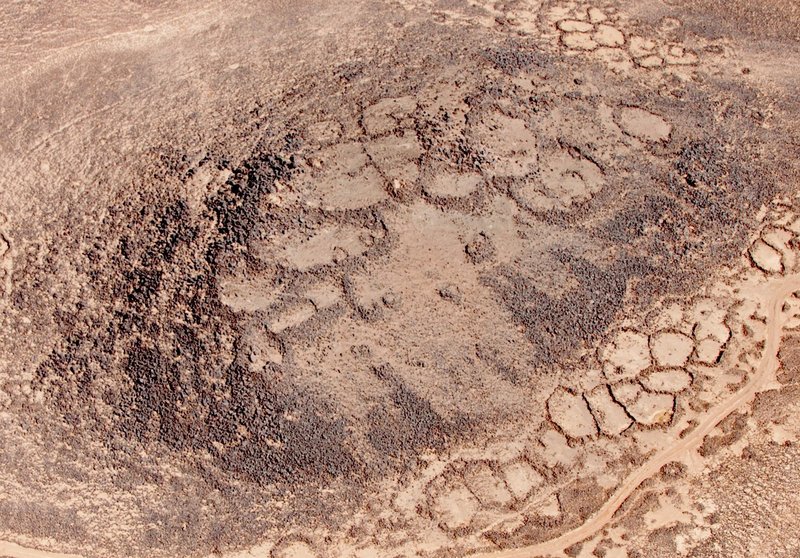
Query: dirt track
{"type": "Point", "coordinates": [775, 295]}
{"type": "Point", "coordinates": [409, 279]}
{"type": "Point", "coordinates": [17, 551]}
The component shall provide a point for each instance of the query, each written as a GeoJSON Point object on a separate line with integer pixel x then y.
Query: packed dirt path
{"type": "Point", "coordinates": [418, 278]}
{"type": "Point", "coordinates": [775, 294]}
{"type": "Point", "coordinates": [17, 551]}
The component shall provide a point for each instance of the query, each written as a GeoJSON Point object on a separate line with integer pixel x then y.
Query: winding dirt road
{"type": "Point", "coordinates": [774, 294]}
{"type": "Point", "coordinates": [322, 279]}
{"type": "Point", "coordinates": [17, 551]}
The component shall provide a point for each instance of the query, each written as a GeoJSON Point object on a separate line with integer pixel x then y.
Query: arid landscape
{"type": "Point", "coordinates": [413, 278]}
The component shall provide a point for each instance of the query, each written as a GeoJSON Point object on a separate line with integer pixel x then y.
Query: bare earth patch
{"type": "Point", "coordinates": [423, 278]}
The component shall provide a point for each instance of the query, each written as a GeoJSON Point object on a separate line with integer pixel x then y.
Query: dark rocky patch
{"type": "Point", "coordinates": [556, 327]}
{"type": "Point", "coordinates": [409, 423]}
{"type": "Point", "coordinates": [164, 354]}
{"type": "Point", "coordinates": [480, 249]}
{"type": "Point", "coordinates": [515, 57]}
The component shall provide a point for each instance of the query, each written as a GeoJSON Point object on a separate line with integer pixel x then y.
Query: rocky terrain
{"type": "Point", "coordinates": [415, 278]}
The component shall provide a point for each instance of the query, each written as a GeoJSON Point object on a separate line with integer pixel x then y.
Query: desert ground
{"type": "Point", "coordinates": [407, 278]}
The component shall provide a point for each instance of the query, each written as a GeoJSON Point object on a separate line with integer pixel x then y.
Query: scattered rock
{"type": "Point", "coordinates": [652, 409]}
{"type": "Point", "coordinates": [563, 180]}
{"type": "Point", "coordinates": [626, 392]}
{"type": "Point", "coordinates": [579, 41]}
{"type": "Point", "coordinates": [451, 293]}
{"type": "Point", "coordinates": [450, 185]}
{"type": "Point", "coordinates": [480, 249]}
{"type": "Point", "coordinates": [708, 351]}
{"type": "Point", "coordinates": [294, 550]}
{"type": "Point", "coordinates": [644, 125]}
{"type": "Point", "coordinates": [596, 15]}
{"type": "Point", "coordinates": [671, 349]}
{"type": "Point", "coordinates": [396, 156]}
{"type": "Point", "coordinates": [323, 133]}
{"type": "Point", "coordinates": [608, 36]}
{"type": "Point", "coordinates": [382, 117]}
{"type": "Point", "coordinates": [616, 59]}
{"type": "Point", "coordinates": [628, 353]}
{"type": "Point", "coordinates": [455, 508]}
{"type": "Point", "coordinates": [651, 61]}
{"type": "Point", "coordinates": [765, 257]}
{"type": "Point", "coordinates": [486, 486]}
{"type": "Point", "coordinates": [641, 47]}
{"type": "Point", "coordinates": [571, 413]}
{"type": "Point", "coordinates": [511, 145]}
{"type": "Point", "coordinates": [573, 25]}
{"type": "Point", "coordinates": [610, 415]}
{"type": "Point", "coordinates": [521, 478]}
{"type": "Point", "coordinates": [673, 380]}
{"type": "Point", "coordinates": [390, 300]}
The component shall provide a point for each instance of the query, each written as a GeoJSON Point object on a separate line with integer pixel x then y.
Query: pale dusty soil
{"type": "Point", "coordinates": [415, 278]}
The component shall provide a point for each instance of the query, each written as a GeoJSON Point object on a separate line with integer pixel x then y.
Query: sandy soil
{"type": "Point", "coordinates": [412, 278]}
